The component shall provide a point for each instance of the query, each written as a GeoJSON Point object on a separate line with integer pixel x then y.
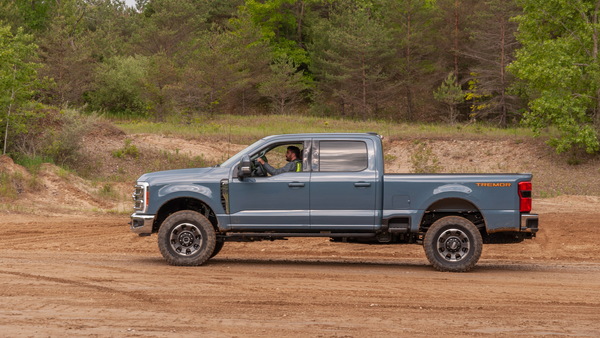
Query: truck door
{"type": "Point", "coordinates": [272, 202]}
{"type": "Point", "coordinates": [343, 185]}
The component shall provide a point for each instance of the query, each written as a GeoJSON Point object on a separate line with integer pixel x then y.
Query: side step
{"type": "Point", "coordinates": [258, 236]}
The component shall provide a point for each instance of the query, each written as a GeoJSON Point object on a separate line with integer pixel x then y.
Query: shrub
{"type": "Point", "coordinates": [424, 160]}
{"type": "Point", "coordinates": [128, 150]}
{"type": "Point", "coordinates": [120, 86]}
{"type": "Point", "coordinates": [49, 134]}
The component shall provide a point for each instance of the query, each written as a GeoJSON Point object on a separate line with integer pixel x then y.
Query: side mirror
{"type": "Point", "coordinates": [245, 167]}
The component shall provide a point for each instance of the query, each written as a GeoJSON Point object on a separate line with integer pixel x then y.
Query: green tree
{"type": "Point", "coordinates": [282, 24]}
{"type": "Point", "coordinates": [450, 94]}
{"type": "Point", "coordinates": [284, 87]}
{"type": "Point", "coordinates": [66, 53]}
{"type": "Point", "coordinates": [120, 85]}
{"type": "Point", "coordinates": [17, 74]}
{"type": "Point", "coordinates": [169, 26]}
{"type": "Point", "coordinates": [352, 58]}
{"type": "Point", "coordinates": [412, 23]}
{"type": "Point", "coordinates": [493, 46]}
{"type": "Point", "coordinates": [560, 69]}
{"type": "Point", "coordinates": [32, 15]}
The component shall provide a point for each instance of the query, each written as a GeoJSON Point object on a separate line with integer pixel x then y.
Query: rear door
{"type": "Point", "coordinates": [343, 184]}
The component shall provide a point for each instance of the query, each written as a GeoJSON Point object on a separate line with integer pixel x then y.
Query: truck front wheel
{"type": "Point", "coordinates": [186, 238]}
{"type": "Point", "coordinates": [453, 243]}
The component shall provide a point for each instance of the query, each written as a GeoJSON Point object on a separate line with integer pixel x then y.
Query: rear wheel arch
{"type": "Point", "coordinates": [452, 206]}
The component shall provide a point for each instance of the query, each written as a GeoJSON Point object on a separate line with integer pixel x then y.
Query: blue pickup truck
{"type": "Point", "coordinates": [338, 190]}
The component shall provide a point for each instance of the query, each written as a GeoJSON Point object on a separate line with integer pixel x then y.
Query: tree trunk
{"type": "Point", "coordinates": [364, 87]}
{"type": "Point", "coordinates": [456, 30]}
{"type": "Point", "coordinates": [299, 24]}
{"type": "Point", "coordinates": [596, 117]}
{"type": "Point", "coordinates": [408, 51]}
{"type": "Point", "coordinates": [503, 110]}
{"type": "Point", "coordinates": [595, 34]}
{"type": "Point", "coordinates": [12, 98]}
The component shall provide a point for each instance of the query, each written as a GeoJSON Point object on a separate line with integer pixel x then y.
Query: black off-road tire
{"type": "Point", "coordinates": [186, 238]}
{"type": "Point", "coordinates": [218, 247]}
{"type": "Point", "coordinates": [453, 243]}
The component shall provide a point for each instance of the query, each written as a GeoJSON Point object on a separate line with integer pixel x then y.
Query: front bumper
{"type": "Point", "coordinates": [529, 223]}
{"type": "Point", "coordinates": [142, 224]}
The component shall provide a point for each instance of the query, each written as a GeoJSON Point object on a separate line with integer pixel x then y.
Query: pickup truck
{"type": "Point", "coordinates": [340, 191]}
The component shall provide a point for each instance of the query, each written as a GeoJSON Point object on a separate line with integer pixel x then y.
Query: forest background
{"type": "Point", "coordinates": [498, 62]}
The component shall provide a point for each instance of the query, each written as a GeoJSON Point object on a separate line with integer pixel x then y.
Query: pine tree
{"type": "Point", "coordinates": [352, 61]}
{"type": "Point", "coordinates": [17, 75]}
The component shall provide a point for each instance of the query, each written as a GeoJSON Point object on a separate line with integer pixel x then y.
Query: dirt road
{"type": "Point", "coordinates": [88, 275]}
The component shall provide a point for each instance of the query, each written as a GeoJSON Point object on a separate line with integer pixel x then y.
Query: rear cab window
{"type": "Point", "coordinates": [343, 156]}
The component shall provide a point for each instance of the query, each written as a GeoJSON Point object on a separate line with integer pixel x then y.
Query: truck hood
{"type": "Point", "coordinates": [176, 176]}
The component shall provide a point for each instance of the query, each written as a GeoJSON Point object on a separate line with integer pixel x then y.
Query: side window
{"type": "Point", "coordinates": [343, 156]}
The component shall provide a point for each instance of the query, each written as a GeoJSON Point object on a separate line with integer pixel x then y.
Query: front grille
{"type": "Point", "coordinates": [139, 197]}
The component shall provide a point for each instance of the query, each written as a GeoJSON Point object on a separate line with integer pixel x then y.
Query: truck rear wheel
{"type": "Point", "coordinates": [453, 243]}
{"type": "Point", "coordinates": [186, 238]}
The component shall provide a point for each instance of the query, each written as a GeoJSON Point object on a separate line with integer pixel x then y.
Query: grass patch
{"type": "Point", "coordinates": [108, 191]}
{"type": "Point", "coordinates": [247, 129]}
{"type": "Point", "coordinates": [128, 150]}
{"type": "Point", "coordinates": [424, 160]}
{"type": "Point", "coordinates": [7, 186]}
{"type": "Point", "coordinates": [33, 163]}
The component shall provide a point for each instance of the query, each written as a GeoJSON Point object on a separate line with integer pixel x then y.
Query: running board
{"type": "Point", "coordinates": [295, 234]}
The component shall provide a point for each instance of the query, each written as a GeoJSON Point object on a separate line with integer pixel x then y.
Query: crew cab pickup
{"type": "Point", "coordinates": [340, 191]}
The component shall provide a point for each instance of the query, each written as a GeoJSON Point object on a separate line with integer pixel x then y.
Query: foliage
{"type": "Point", "coordinates": [284, 89]}
{"type": "Point", "coordinates": [120, 85]}
{"type": "Point", "coordinates": [450, 94]}
{"type": "Point", "coordinates": [128, 150]}
{"type": "Point", "coordinates": [424, 161]}
{"type": "Point", "coordinates": [492, 50]}
{"type": "Point", "coordinates": [281, 24]}
{"type": "Point", "coordinates": [7, 186]}
{"type": "Point", "coordinates": [560, 69]}
{"type": "Point", "coordinates": [352, 61]}
{"type": "Point", "coordinates": [49, 133]}
{"type": "Point", "coordinates": [17, 75]}
{"type": "Point", "coordinates": [32, 15]}
{"type": "Point", "coordinates": [190, 59]}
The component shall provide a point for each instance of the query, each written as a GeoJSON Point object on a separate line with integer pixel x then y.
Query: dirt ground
{"type": "Point", "coordinates": [88, 275]}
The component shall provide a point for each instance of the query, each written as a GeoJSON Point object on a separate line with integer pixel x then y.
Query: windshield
{"type": "Point", "coordinates": [238, 157]}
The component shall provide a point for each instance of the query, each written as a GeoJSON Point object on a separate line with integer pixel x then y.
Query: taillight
{"type": "Point", "coordinates": [525, 196]}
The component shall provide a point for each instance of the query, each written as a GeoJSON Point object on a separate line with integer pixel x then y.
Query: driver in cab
{"type": "Point", "coordinates": [294, 162]}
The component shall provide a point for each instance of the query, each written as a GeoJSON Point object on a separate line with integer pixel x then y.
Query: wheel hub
{"type": "Point", "coordinates": [185, 239]}
{"type": "Point", "coordinates": [453, 245]}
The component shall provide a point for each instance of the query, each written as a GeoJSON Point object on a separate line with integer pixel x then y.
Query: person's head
{"type": "Point", "coordinates": [293, 153]}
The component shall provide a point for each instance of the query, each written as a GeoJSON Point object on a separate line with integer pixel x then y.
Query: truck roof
{"type": "Point", "coordinates": [322, 134]}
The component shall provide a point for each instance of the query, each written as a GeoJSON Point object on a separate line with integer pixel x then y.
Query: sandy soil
{"type": "Point", "coordinates": [70, 266]}
{"type": "Point", "coordinates": [87, 275]}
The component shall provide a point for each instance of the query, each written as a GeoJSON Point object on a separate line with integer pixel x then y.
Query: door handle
{"type": "Point", "coordinates": [296, 185]}
{"type": "Point", "coordinates": [362, 184]}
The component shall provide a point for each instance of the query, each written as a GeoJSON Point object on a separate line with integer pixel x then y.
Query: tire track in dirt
{"type": "Point", "coordinates": [135, 295]}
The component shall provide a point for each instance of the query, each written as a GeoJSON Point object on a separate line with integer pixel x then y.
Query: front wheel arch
{"type": "Point", "coordinates": [184, 203]}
